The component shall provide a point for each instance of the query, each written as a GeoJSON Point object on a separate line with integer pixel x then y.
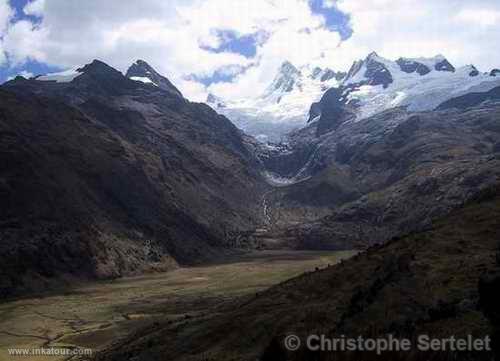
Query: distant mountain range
{"type": "Point", "coordinates": [284, 104]}
{"type": "Point", "coordinates": [369, 87]}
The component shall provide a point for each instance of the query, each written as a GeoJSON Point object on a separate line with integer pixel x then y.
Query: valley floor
{"type": "Point", "coordinates": [96, 315]}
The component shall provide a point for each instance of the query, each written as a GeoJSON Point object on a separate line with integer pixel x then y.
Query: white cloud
{"type": "Point", "coordinates": [35, 8]}
{"type": "Point", "coordinates": [6, 14]}
{"type": "Point", "coordinates": [481, 17]}
{"type": "Point", "coordinates": [25, 41]}
{"type": "Point", "coordinates": [295, 34]}
{"type": "Point", "coordinates": [168, 34]}
{"type": "Point", "coordinates": [164, 33]}
{"type": "Point", "coordinates": [422, 28]}
{"type": "Point", "coordinates": [328, 4]}
{"type": "Point", "coordinates": [464, 32]}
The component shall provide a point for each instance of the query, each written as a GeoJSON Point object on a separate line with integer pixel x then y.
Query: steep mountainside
{"type": "Point", "coordinates": [471, 99]}
{"type": "Point", "coordinates": [366, 181]}
{"type": "Point", "coordinates": [284, 104]}
{"type": "Point", "coordinates": [102, 176]}
{"type": "Point", "coordinates": [439, 283]}
{"type": "Point", "coordinates": [350, 178]}
{"type": "Point", "coordinates": [143, 72]}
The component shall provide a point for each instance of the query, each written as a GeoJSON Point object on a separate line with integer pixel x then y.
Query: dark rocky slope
{"type": "Point", "coordinates": [104, 176]}
{"type": "Point", "coordinates": [471, 99]}
{"type": "Point", "coordinates": [438, 283]}
{"type": "Point", "coordinates": [142, 70]}
{"type": "Point", "coordinates": [363, 182]}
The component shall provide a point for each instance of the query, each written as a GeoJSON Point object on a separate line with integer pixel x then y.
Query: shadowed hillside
{"type": "Point", "coordinates": [105, 176]}
{"type": "Point", "coordinates": [423, 283]}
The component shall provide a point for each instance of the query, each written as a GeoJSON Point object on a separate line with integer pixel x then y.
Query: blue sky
{"type": "Point", "coordinates": [334, 19]}
{"type": "Point", "coordinates": [29, 66]}
{"type": "Point", "coordinates": [230, 41]}
{"type": "Point", "coordinates": [32, 67]}
{"type": "Point", "coordinates": [18, 6]}
{"type": "Point", "coordinates": [246, 44]}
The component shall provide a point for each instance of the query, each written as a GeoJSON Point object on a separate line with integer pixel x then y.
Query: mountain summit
{"type": "Point", "coordinates": [288, 76]}
{"type": "Point", "coordinates": [371, 71]}
{"type": "Point", "coordinates": [280, 107]}
{"type": "Point", "coordinates": [143, 72]}
{"type": "Point", "coordinates": [371, 85]}
{"type": "Point", "coordinates": [376, 70]}
{"type": "Point", "coordinates": [376, 84]}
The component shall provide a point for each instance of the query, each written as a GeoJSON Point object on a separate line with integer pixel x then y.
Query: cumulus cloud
{"type": "Point", "coordinates": [463, 31]}
{"type": "Point", "coordinates": [295, 34]}
{"type": "Point", "coordinates": [173, 36]}
{"type": "Point", "coordinates": [183, 38]}
{"type": "Point", "coordinates": [6, 14]}
{"type": "Point", "coordinates": [393, 29]}
{"type": "Point", "coordinates": [424, 28]}
{"type": "Point", "coordinates": [34, 8]}
{"type": "Point", "coordinates": [24, 41]}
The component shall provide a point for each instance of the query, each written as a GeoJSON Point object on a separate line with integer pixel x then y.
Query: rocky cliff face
{"type": "Point", "coordinates": [472, 99]}
{"type": "Point", "coordinates": [143, 72]}
{"type": "Point", "coordinates": [361, 182]}
{"type": "Point", "coordinates": [103, 176]}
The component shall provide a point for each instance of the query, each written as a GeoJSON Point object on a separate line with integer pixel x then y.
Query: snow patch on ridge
{"type": "Point", "coordinates": [61, 77]}
{"type": "Point", "coordinates": [143, 79]}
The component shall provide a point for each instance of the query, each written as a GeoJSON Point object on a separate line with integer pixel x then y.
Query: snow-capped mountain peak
{"type": "Point", "coordinates": [326, 74]}
{"type": "Point", "coordinates": [60, 77]}
{"type": "Point", "coordinates": [287, 78]}
{"type": "Point", "coordinates": [288, 69]}
{"type": "Point", "coordinates": [424, 66]}
{"type": "Point", "coordinates": [96, 67]}
{"type": "Point", "coordinates": [376, 70]}
{"type": "Point", "coordinates": [143, 72]}
{"type": "Point", "coordinates": [372, 85]}
{"type": "Point", "coordinates": [371, 71]}
{"type": "Point", "coordinates": [284, 104]}
{"type": "Point", "coordinates": [376, 84]}
{"type": "Point", "coordinates": [291, 79]}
